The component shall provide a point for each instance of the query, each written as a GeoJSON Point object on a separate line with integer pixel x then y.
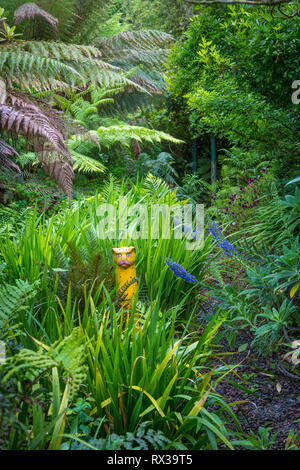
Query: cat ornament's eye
{"type": "Point", "coordinates": [118, 256]}
{"type": "Point", "coordinates": [128, 254]}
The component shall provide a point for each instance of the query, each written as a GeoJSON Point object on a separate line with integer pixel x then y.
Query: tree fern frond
{"type": "Point", "coordinates": [151, 80]}
{"type": "Point", "coordinates": [58, 61]}
{"type": "Point", "coordinates": [57, 50]}
{"type": "Point", "coordinates": [28, 122]}
{"type": "Point", "coordinates": [88, 17]}
{"type": "Point", "coordinates": [123, 134]}
{"type": "Point", "coordinates": [21, 100]}
{"type": "Point", "coordinates": [29, 11]}
{"type": "Point", "coordinates": [127, 101]}
{"type": "Point", "coordinates": [135, 41]}
{"type": "Point", "coordinates": [17, 63]}
{"type": "Point", "coordinates": [42, 86]}
{"type": "Point", "coordinates": [6, 150]}
{"type": "Point", "coordinates": [131, 57]}
{"type": "Point", "coordinates": [34, 125]}
{"type": "Point", "coordinates": [59, 166]}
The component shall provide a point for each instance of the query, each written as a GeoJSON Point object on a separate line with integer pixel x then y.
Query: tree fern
{"type": "Point", "coordinates": [36, 65]}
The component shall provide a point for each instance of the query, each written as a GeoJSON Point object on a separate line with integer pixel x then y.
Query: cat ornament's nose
{"type": "Point", "coordinates": [123, 261]}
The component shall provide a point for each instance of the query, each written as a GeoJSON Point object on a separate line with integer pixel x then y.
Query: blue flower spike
{"type": "Point", "coordinates": [216, 232]}
{"type": "Point", "coordinates": [179, 271]}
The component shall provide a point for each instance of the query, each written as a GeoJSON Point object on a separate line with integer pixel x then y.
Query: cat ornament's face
{"type": "Point", "coordinates": [124, 256]}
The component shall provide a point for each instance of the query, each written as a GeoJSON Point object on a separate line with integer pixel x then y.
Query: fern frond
{"type": "Point", "coordinates": [146, 49]}
{"type": "Point", "coordinates": [88, 18]}
{"type": "Point", "coordinates": [18, 64]}
{"type": "Point", "coordinates": [27, 158]}
{"type": "Point", "coordinates": [149, 58]}
{"type": "Point", "coordinates": [123, 134]}
{"type": "Point", "coordinates": [57, 50]}
{"type": "Point", "coordinates": [59, 166]}
{"type": "Point", "coordinates": [39, 123]}
{"type": "Point", "coordinates": [49, 60]}
{"type": "Point", "coordinates": [135, 41]}
{"type": "Point", "coordinates": [110, 189]}
{"type": "Point", "coordinates": [156, 186]}
{"type": "Point", "coordinates": [92, 240]}
{"type": "Point", "coordinates": [84, 164]}
{"type": "Point", "coordinates": [28, 122]}
{"type": "Point", "coordinates": [68, 355]}
{"type": "Point", "coordinates": [13, 299]}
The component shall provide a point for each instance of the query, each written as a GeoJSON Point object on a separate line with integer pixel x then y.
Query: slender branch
{"type": "Point", "coordinates": [269, 3]}
{"type": "Point", "coordinates": [241, 2]}
{"type": "Point", "coordinates": [285, 14]}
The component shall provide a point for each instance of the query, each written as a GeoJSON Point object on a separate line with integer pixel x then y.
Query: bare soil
{"type": "Point", "coordinates": [272, 398]}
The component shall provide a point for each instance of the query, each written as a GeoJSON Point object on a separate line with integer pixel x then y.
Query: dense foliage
{"type": "Point", "coordinates": [120, 104]}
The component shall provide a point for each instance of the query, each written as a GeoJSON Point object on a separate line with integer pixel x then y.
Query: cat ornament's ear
{"type": "Point", "coordinates": [124, 249]}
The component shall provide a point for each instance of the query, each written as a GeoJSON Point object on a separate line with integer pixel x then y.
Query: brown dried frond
{"type": "Point", "coordinates": [6, 152]}
{"type": "Point", "coordinates": [29, 11]}
{"type": "Point", "coordinates": [135, 148]}
{"type": "Point", "coordinates": [48, 135]}
{"type": "Point", "coordinates": [19, 100]}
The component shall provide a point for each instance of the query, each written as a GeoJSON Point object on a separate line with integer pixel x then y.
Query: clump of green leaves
{"type": "Point", "coordinates": [144, 438]}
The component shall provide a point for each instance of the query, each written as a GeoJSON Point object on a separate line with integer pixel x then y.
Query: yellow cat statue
{"type": "Point", "coordinates": [124, 258]}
